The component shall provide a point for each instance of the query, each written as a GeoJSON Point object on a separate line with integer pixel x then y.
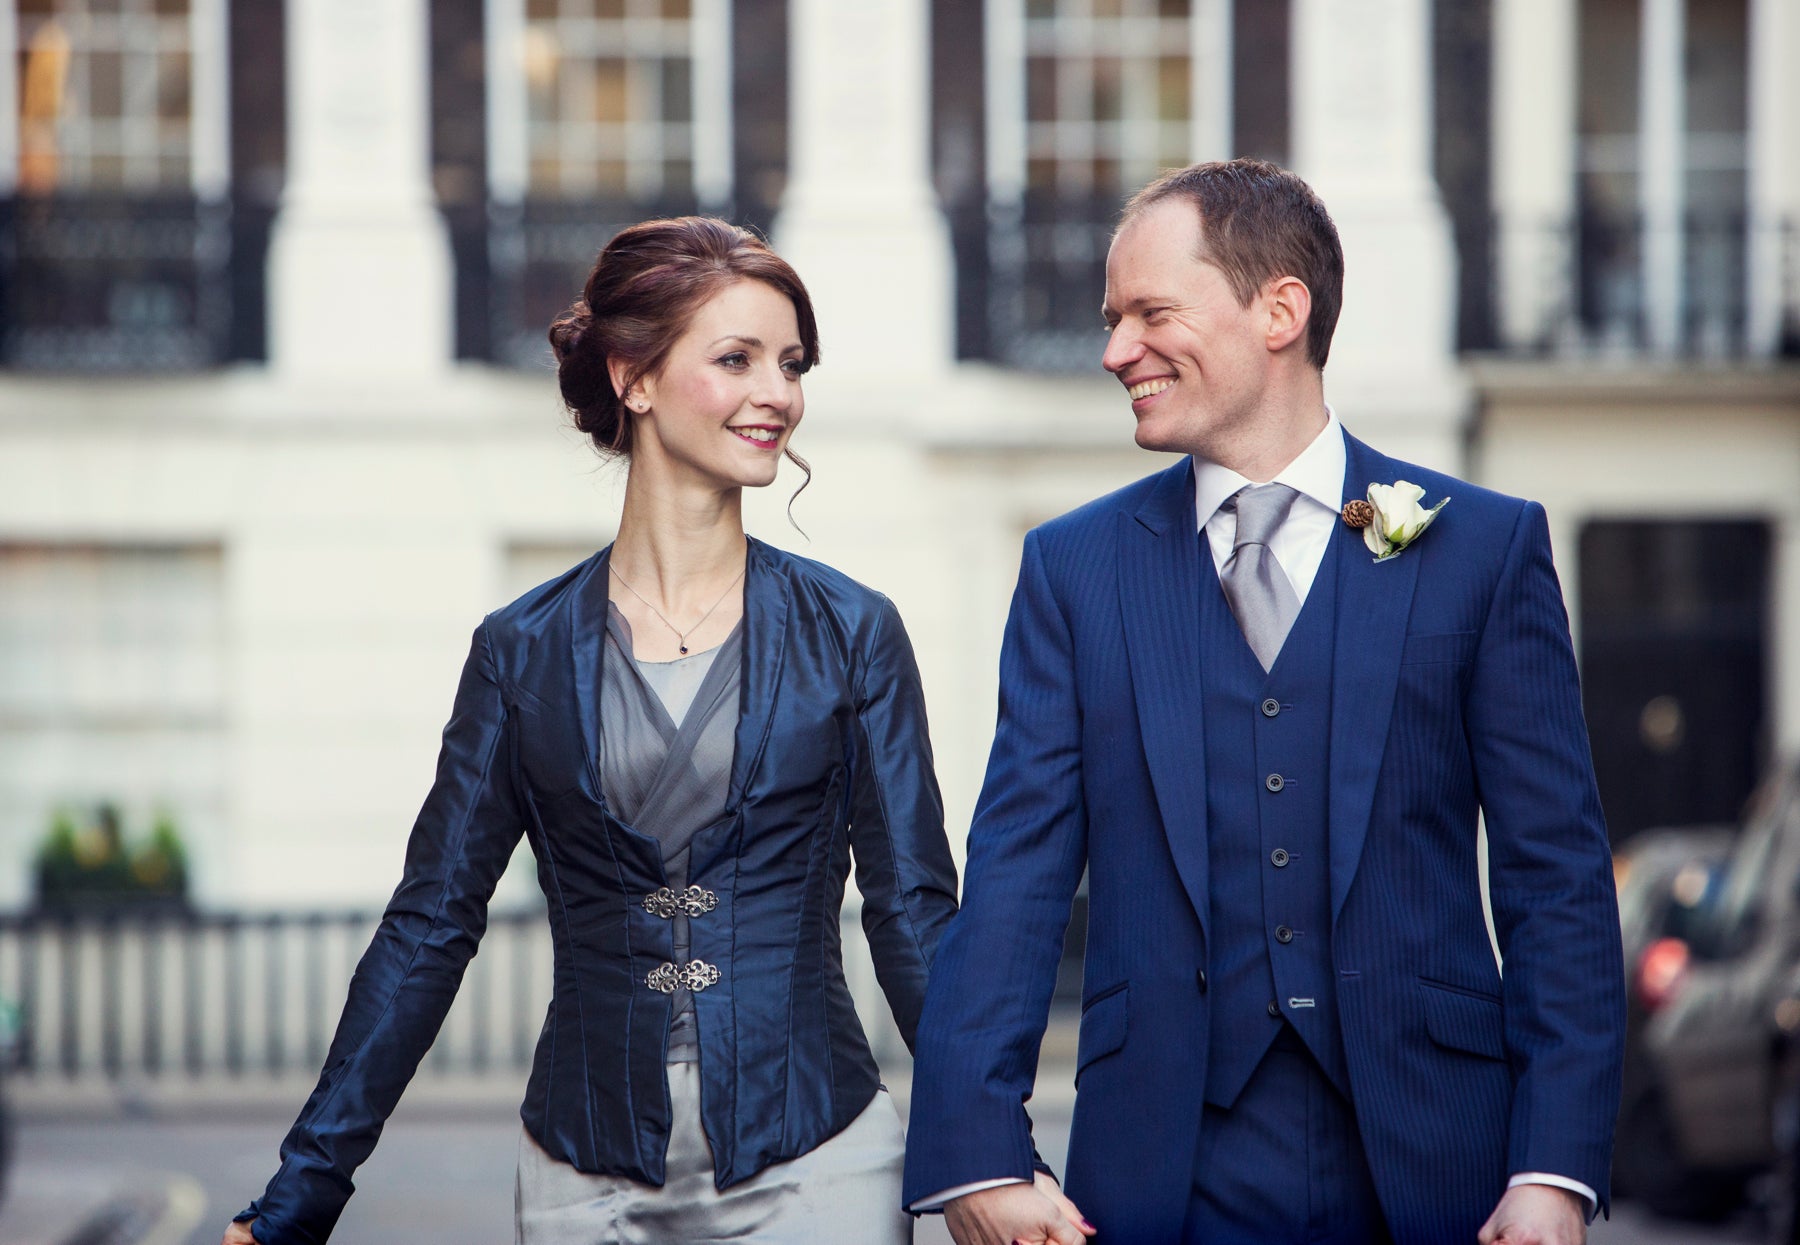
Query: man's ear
{"type": "Point", "coordinates": [1289, 303]}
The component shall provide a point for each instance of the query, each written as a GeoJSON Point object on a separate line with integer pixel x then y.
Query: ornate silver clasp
{"type": "Point", "coordinates": [695, 975]}
{"type": "Point", "coordinates": [667, 903]}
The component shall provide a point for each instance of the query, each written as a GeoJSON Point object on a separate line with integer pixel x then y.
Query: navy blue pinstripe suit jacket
{"type": "Point", "coordinates": [1454, 693]}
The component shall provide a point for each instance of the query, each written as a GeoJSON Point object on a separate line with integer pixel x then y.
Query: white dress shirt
{"type": "Point", "coordinates": [1299, 545]}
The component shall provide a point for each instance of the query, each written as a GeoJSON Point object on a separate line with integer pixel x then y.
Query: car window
{"type": "Point", "coordinates": [1740, 902]}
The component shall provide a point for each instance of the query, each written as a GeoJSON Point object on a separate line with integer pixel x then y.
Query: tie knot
{"type": "Point", "coordinates": [1261, 508]}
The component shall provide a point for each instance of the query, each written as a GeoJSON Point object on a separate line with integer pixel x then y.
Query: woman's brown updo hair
{"type": "Point", "coordinates": [644, 288]}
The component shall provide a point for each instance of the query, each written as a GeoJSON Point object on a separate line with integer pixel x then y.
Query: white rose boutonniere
{"type": "Point", "coordinates": [1398, 520]}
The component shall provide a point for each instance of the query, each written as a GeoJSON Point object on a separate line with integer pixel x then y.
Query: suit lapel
{"type": "Point", "coordinates": [1374, 602]}
{"type": "Point", "coordinates": [768, 594]}
{"type": "Point", "coordinates": [1159, 590]}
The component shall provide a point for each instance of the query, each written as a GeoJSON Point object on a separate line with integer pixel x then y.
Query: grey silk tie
{"type": "Point", "coordinates": [1254, 583]}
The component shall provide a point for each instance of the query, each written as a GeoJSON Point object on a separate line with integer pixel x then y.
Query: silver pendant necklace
{"type": "Point", "coordinates": [680, 635]}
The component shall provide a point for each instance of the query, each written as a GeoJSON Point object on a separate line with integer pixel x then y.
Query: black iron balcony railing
{"type": "Point", "coordinates": [1719, 286]}
{"type": "Point", "coordinates": [1032, 274]}
{"type": "Point", "coordinates": [1046, 280]}
{"type": "Point", "coordinates": [519, 265]}
{"type": "Point", "coordinates": [107, 284]}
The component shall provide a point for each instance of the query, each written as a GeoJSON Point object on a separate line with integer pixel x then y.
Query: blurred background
{"type": "Point", "coordinates": [278, 424]}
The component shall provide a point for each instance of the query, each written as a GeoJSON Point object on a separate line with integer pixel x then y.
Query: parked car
{"type": "Point", "coordinates": [1666, 879]}
{"type": "Point", "coordinates": [1702, 1121]}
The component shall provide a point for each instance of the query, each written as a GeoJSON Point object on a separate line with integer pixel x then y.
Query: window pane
{"type": "Point", "coordinates": [612, 101]}
{"type": "Point", "coordinates": [677, 89]}
{"type": "Point", "coordinates": [610, 176]}
{"type": "Point", "coordinates": [678, 10]}
{"type": "Point", "coordinates": [610, 10]}
{"type": "Point", "coordinates": [1172, 88]}
{"type": "Point", "coordinates": [1040, 88]}
{"type": "Point", "coordinates": [540, 10]}
{"type": "Point", "coordinates": [172, 8]}
{"type": "Point", "coordinates": [106, 89]}
{"type": "Point", "coordinates": [1108, 89]}
{"type": "Point", "coordinates": [172, 78]}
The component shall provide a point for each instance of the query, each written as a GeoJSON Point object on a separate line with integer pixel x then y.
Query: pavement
{"type": "Point", "coordinates": [157, 1170]}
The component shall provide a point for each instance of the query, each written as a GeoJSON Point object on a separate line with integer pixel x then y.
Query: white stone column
{"type": "Point", "coordinates": [359, 264]}
{"type": "Point", "coordinates": [1534, 166]}
{"type": "Point", "coordinates": [1211, 81]}
{"type": "Point", "coordinates": [9, 98]}
{"type": "Point", "coordinates": [1662, 166]}
{"type": "Point", "coordinates": [859, 220]}
{"type": "Point", "coordinates": [1362, 107]}
{"type": "Point", "coordinates": [1774, 174]}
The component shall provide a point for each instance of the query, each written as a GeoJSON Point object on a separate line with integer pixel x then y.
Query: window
{"type": "Point", "coordinates": [120, 251]}
{"type": "Point", "coordinates": [610, 98]}
{"type": "Point", "coordinates": [112, 690]}
{"type": "Point", "coordinates": [599, 113]}
{"type": "Point", "coordinates": [106, 95]}
{"type": "Point", "coordinates": [1086, 101]}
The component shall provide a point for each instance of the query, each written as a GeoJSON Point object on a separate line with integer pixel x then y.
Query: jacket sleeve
{"type": "Point", "coordinates": [903, 864]}
{"type": "Point", "coordinates": [404, 984]}
{"type": "Point", "coordinates": [989, 1000]}
{"type": "Point", "coordinates": [1550, 876]}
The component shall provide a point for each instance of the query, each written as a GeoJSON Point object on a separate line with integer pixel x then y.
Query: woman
{"type": "Point", "coordinates": [695, 731]}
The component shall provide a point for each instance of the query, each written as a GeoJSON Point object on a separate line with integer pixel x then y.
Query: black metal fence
{"type": "Point", "coordinates": [131, 284]}
{"type": "Point", "coordinates": [205, 996]}
{"type": "Point", "coordinates": [1585, 288]}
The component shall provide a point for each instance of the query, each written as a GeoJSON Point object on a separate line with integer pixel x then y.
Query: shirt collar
{"type": "Point", "coordinates": [1317, 473]}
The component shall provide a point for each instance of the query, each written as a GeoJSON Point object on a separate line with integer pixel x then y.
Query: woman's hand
{"type": "Point", "coordinates": [239, 1234]}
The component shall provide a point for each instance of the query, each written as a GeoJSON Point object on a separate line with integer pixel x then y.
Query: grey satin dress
{"type": "Point", "coordinates": [667, 745]}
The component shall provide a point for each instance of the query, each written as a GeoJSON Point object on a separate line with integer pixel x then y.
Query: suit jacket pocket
{"type": "Point", "coordinates": [1442, 648]}
{"type": "Point", "coordinates": [1103, 1023]}
{"type": "Point", "coordinates": [1464, 1019]}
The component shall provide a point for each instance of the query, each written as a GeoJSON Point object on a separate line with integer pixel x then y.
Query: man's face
{"type": "Point", "coordinates": [1194, 361]}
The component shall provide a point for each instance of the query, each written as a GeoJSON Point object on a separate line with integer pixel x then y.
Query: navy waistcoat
{"type": "Point", "coordinates": [1267, 743]}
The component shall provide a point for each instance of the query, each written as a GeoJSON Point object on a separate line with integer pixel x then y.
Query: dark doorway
{"type": "Point", "coordinates": [1674, 655]}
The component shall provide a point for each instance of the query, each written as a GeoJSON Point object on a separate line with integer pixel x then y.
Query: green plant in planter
{"type": "Point", "coordinates": [90, 868]}
{"type": "Point", "coordinates": [159, 864]}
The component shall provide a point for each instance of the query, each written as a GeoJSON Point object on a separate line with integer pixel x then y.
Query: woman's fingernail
{"type": "Point", "coordinates": [1090, 1227]}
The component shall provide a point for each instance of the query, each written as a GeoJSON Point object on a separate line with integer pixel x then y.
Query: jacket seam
{"type": "Point", "coordinates": [874, 773]}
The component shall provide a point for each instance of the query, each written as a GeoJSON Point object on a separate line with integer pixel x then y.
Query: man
{"type": "Point", "coordinates": [1268, 748]}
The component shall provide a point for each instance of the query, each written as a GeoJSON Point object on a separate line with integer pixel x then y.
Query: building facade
{"type": "Point", "coordinates": [278, 422]}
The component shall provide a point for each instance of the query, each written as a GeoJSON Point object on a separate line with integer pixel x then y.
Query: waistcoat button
{"type": "Point", "coordinates": [1270, 708]}
{"type": "Point", "coordinates": [1200, 980]}
{"type": "Point", "coordinates": [1274, 1009]}
{"type": "Point", "coordinates": [1279, 858]}
{"type": "Point", "coordinates": [1283, 934]}
{"type": "Point", "coordinates": [1274, 782]}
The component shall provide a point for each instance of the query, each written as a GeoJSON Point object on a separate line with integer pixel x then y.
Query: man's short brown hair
{"type": "Point", "coordinates": [1259, 222]}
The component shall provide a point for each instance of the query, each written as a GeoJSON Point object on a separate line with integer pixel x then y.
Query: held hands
{"type": "Point", "coordinates": [239, 1234]}
{"type": "Point", "coordinates": [1537, 1214]}
{"type": "Point", "coordinates": [1034, 1214]}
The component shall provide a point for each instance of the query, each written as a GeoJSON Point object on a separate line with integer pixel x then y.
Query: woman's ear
{"type": "Point", "coordinates": [627, 390]}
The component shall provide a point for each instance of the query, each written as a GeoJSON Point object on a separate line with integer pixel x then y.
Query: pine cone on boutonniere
{"type": "Point", "coordinates": [1358, 513]}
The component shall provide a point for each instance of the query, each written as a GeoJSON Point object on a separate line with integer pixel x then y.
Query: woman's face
{"type": "Point", "coordinates": [728, 396]}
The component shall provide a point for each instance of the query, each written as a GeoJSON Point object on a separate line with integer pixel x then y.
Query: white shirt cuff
{"type": "Point", "coordinates": [937, 1201]}
{"type": "Point", "coordinates": [1560, 1182]}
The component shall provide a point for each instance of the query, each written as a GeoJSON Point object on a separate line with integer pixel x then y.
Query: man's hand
{"type": "Point", "coordinates": [239, 1234]}
{"type": "Point", "coordinates": [1034, 1213]}
{"type": "Point", "coordinates": [1537, 1214]}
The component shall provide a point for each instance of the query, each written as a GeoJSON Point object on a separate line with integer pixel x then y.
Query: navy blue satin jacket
{"type": "Point", "coordinates": [832, 760]}
{"type": "Point", "coordinates": [1454, 692]}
